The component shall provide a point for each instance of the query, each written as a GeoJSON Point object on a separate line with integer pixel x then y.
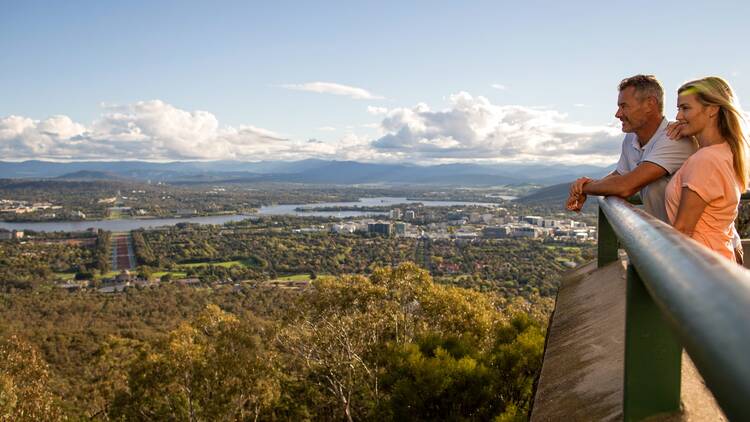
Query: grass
{"type": "Point", "coordinates": [226, 264]}
{"type": "Point", "coordinates": [296, 277]}
{"type": "Point", "coordinates": [97, 276]}
{"type": "Point", "coordinates": [564, 248]}
{"type": "Point", "coordinates": [175, 274]}
{"type": "Point", "coordinates": [299, 277]}
{"type": "Point", "coordinates": [115, 215]}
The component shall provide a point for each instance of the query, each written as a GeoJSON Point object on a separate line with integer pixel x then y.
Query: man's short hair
{"type": "Point", "coordinates": [645, 86]}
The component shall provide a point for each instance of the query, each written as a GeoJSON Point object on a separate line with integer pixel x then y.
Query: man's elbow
{"type": "Point", "coordinates": [627, 192]}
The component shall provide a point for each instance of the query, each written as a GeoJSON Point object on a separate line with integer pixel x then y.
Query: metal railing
{"type": "Point", "coordinates": [679, 294]}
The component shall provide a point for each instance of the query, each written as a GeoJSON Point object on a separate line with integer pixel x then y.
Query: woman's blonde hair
{"type": "Point", "coordinates": [715, 91]}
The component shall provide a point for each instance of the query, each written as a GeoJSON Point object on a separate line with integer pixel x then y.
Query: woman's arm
{"type": "Point", "coordinates": [690, 210]}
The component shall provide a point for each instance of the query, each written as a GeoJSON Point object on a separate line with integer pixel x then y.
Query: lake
{"type": "Point", "coordinates": [288, 209]}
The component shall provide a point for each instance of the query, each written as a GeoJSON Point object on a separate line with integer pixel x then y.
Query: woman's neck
{"type": "Point", "coordinates": [709, 136]}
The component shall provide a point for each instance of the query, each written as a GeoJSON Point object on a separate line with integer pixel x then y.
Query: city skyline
{"type": "Point", "coordinates": [420, 82]}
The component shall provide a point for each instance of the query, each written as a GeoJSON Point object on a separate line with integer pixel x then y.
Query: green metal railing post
{"type": "Point", "coordinates": [606, 241]}
{"type": "Point", "coordinates": [652, 356]}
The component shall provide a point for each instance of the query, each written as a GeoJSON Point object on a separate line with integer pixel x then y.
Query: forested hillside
{"type": "Point", "coordinates": [391, 346]}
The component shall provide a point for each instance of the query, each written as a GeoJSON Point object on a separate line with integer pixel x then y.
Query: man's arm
{"type": "Point", "coordinates": [627, 184]}
{"type": "Point", "coordinates": [576, 188]}
{"type": "Point", "coordinates": [576, 197]}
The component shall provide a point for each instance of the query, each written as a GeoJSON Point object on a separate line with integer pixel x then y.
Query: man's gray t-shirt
{"type": "Point", "coordinates": [663, 152]}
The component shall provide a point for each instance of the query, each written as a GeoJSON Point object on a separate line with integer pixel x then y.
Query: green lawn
{"type": "Point", "coordinates": [296, 277]}
{"type": "Point", "coordinates": [175, 274]}
{"type": "Point", "coordinates": [299, 277]}
{"type": "Point", "coordinates": [66, 276]}
{"type": "Point", "coordinates": [242, 263]}
{"type": "Point", "coordinates": [109, 274]}
{"type": "Point", "coordinates": [563, 248]}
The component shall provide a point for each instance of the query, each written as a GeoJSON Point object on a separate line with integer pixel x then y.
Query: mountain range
{"type": "Point", "coordinates": [312, 171]}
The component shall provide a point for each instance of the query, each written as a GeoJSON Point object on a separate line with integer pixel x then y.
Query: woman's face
{"type": "Point", "coordinates": [692, 114]}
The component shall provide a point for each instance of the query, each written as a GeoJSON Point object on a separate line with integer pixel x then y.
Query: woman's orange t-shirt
{"type": "Point", "coordinates": [710, 174]}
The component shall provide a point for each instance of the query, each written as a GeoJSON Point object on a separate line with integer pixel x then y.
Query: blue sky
{"type": "Point", "coordinates": [206, 80]}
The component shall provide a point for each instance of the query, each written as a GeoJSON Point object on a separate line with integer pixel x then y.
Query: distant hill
{"type": "Point", "coordinates": [554, 196]}
{"type": "Point", "coordinates": [551, 194]}
{"type": "Point", "coordinates": [91, 175]}
{"type": "Point", "coordinates": [303, 171]}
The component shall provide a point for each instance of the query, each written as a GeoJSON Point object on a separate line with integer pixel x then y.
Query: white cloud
{"type": "Point", "coordinates": [475, 129]}
{"type": "Point", "coordinates": [151, 130]}
{"type": "Point", "coordinates": [335, 89]}
{"type": "Point", "coordinates": [327, 129]}
{"type": "Point", "coordinates": [501, 87]}
{"type": "Point", "coordinates": [579, 105]}
{"type": "Point", "coordinates": [470, 129]}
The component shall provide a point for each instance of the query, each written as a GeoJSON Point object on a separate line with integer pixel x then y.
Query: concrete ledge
{"type": "Point", "coordinates": [581, 378]}
{"type": "Point", "coordinates": [582, 374]}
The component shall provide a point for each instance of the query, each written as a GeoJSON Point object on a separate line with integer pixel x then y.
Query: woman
{"type": "Point", "coordinates": [702, 197]}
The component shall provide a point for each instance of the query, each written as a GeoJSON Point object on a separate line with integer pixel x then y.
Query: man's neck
{"type": "Point", "coordinates": [645, 133]}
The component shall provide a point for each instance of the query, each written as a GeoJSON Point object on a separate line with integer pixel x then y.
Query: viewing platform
{"type": "Point", "coordinates": [635, 334]}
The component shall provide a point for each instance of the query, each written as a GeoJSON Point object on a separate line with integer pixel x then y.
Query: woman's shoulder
{"type": "Point", "coordinates": [713, 153]}
{"type": "Point", "coordinates": [708, 160]}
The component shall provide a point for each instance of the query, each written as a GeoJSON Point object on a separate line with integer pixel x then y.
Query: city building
{"type": "Point", "coordinates": [533, 220]}
{"type": "Point", "coordinates": [551, 223]}
{"type": "Point", "coordinates": [380, 228]}
{"type": "Point", "coordinates": [11, 234]}
{"type": "Point", "coordinates": [525, 231]}
{"type": "Point", "coordinates": [499, 232]}
{"type": "Point", "coordinates": [344, 228]}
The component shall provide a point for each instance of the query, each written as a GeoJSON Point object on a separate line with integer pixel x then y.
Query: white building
{"type": "Point", "coordinates": [533, 219]}
{"type": "Point", "coordinates": [344, 228]}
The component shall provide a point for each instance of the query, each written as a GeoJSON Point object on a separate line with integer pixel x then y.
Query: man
{"type": "Point", "coordinates": [648, 158]}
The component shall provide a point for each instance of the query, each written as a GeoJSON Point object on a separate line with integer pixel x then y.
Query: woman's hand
{"type": "Point", "coordinates": [674, 130]}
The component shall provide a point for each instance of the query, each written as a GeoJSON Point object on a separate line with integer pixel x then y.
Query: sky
{"type": "Point", "coordinates": [409, 81]}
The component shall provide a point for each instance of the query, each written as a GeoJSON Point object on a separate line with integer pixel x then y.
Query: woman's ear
{"type": "Point", "coordinates": [713, 110]}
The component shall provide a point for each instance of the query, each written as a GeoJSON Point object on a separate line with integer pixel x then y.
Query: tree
{"type": "Point", "coordinates": [332, 351]}
{"type": "Point", "coordinates": [25, 393]}
{"type": "Point", "coordinates": [145, 272]}
{"type": "Point", "coordinates": [215, 368]}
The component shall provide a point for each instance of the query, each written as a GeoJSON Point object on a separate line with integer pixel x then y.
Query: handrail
{"type": "Point", "coordinates": [702, 297]}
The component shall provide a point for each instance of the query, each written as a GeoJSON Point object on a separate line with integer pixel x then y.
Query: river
{"type": "Point", "coordinates": [289, 209]}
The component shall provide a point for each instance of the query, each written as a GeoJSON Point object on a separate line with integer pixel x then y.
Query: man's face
{"type": "Point", "coordinates": [631, 110]}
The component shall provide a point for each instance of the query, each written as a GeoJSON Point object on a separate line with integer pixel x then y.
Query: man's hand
{"type": "Point", "coordinates": [674, 130]}
{"type": "Point", "coordinates": [575, 202]}
{"type": "Point", "coordinates": [576, 188]}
